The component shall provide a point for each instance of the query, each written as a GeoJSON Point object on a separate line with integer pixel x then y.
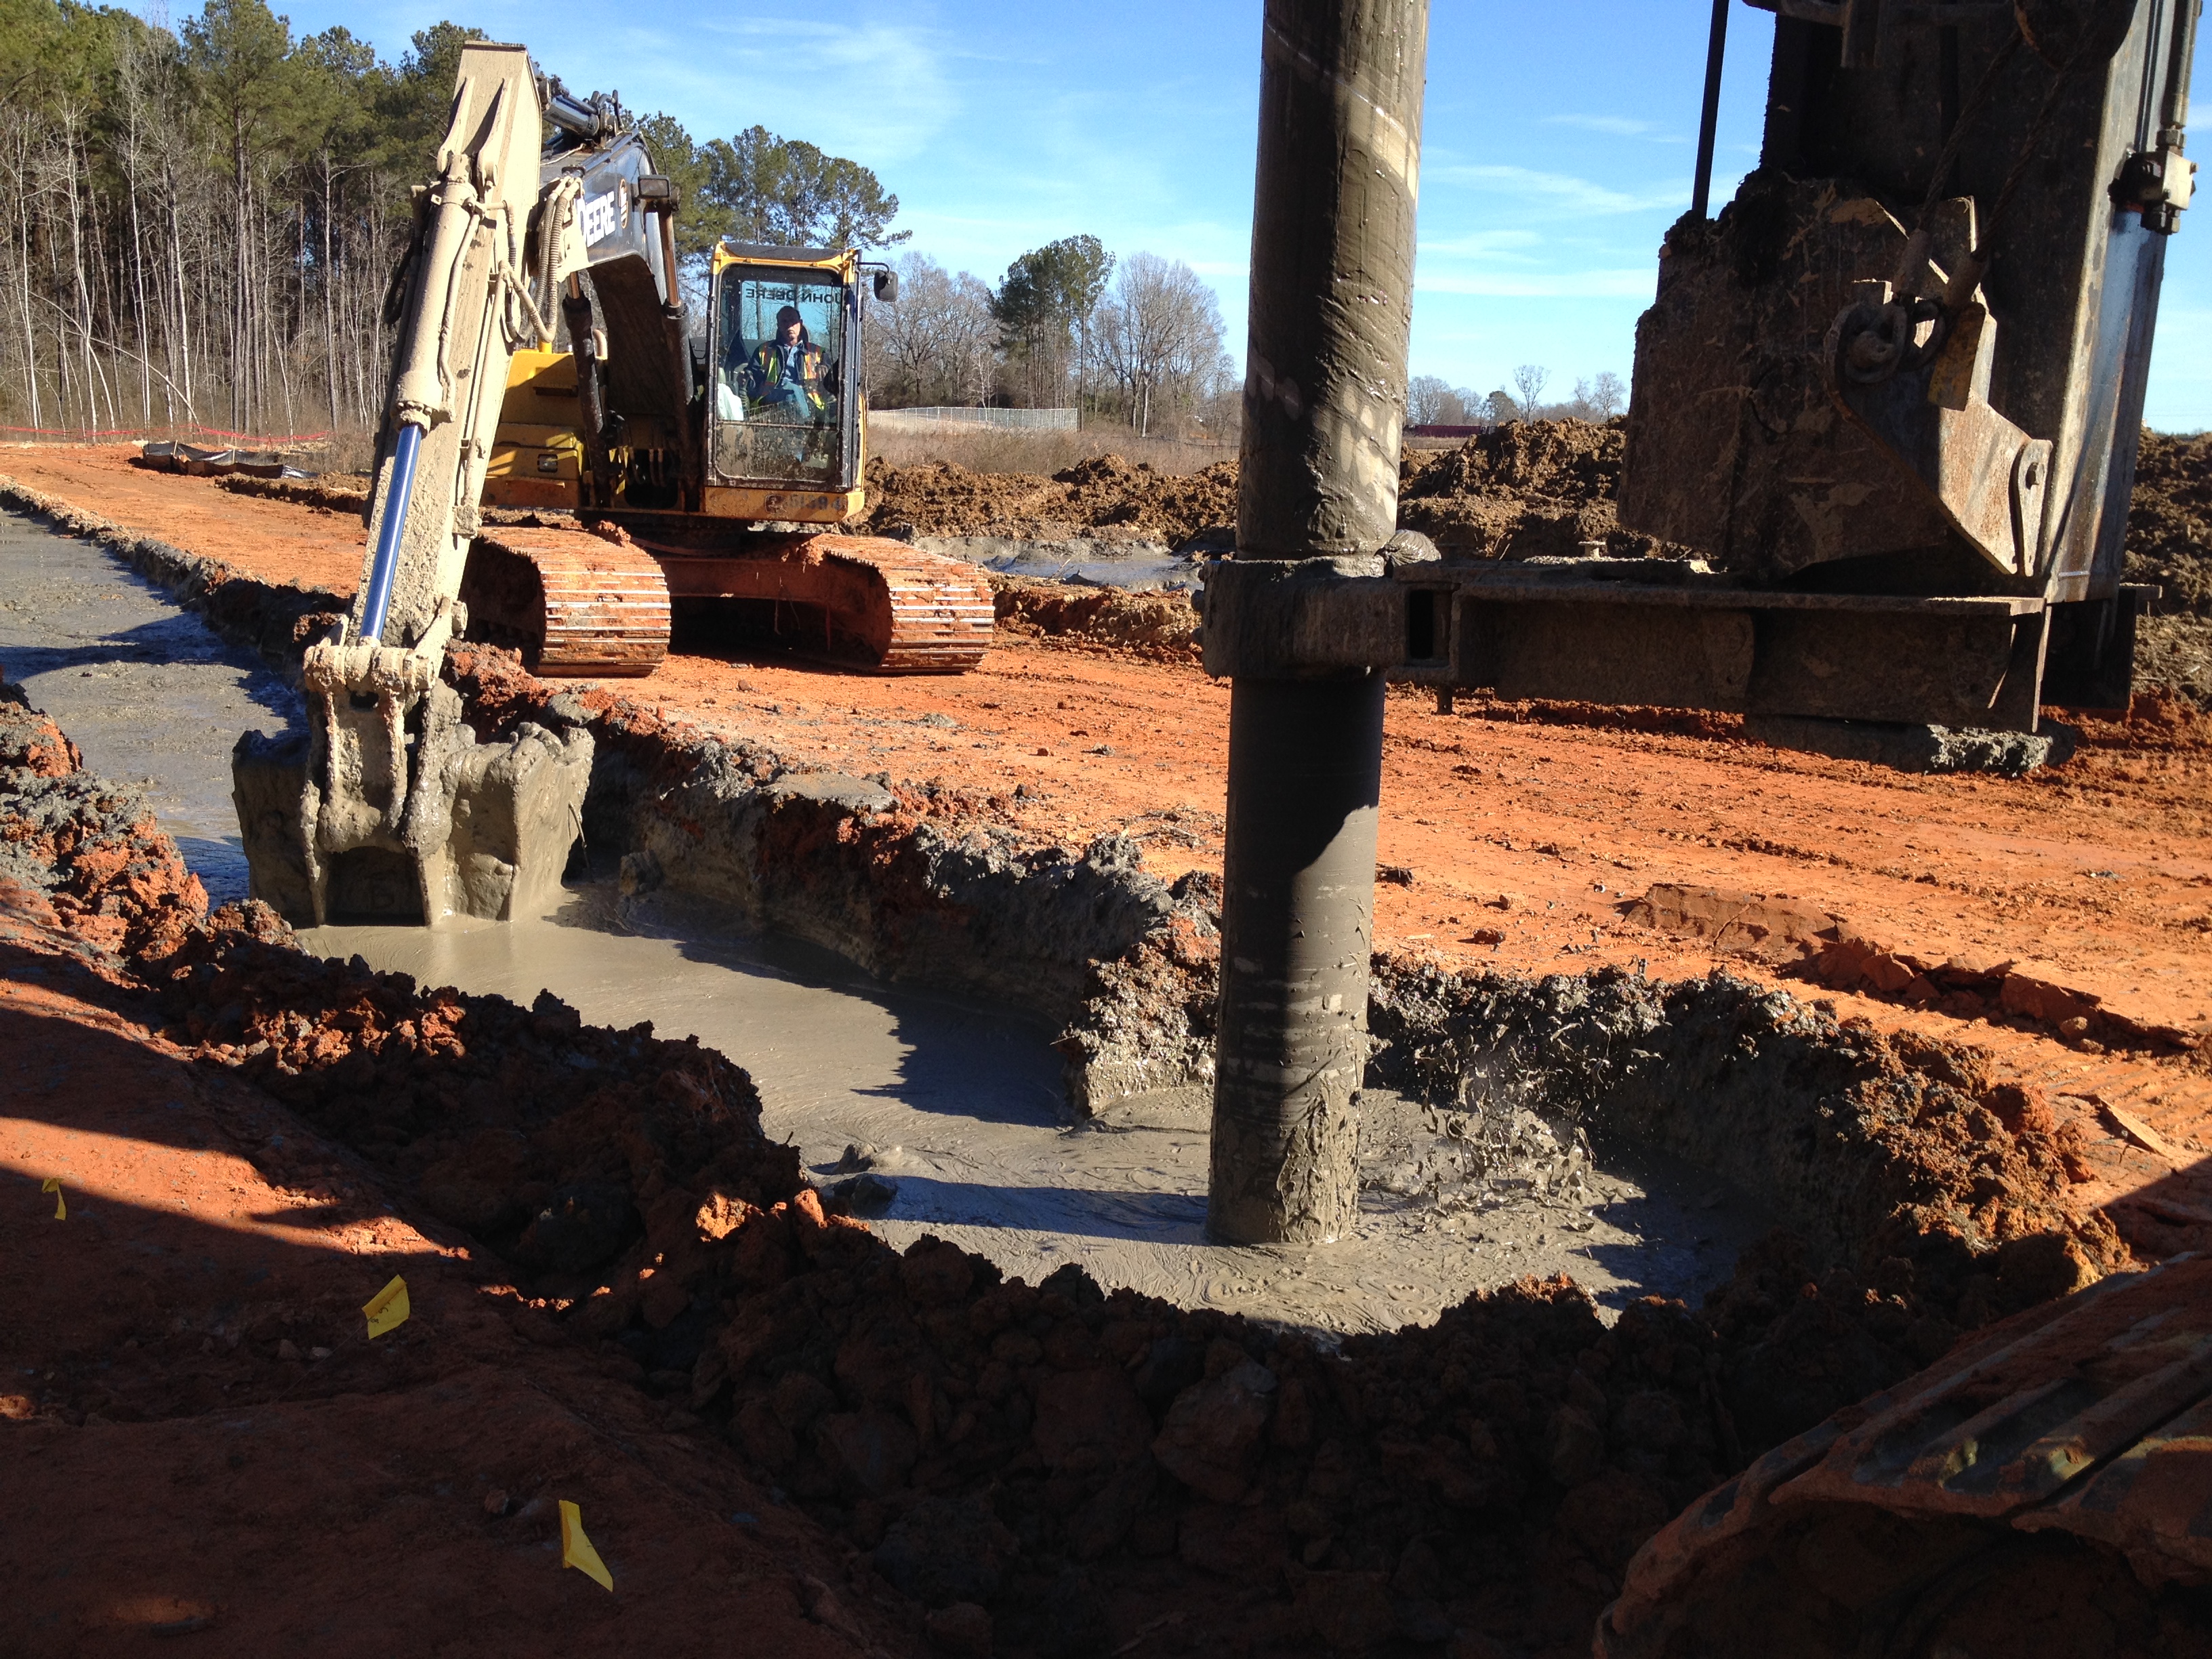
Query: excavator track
{"type": "Point", "coordinates": [862, 601]}
{"type": "Point", "coordinates": [596, 603]}
{"type": "Point", "coordinates": [578, 604]}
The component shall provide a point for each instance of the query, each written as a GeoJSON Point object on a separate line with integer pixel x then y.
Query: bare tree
{"type": "Point", "coordinates": [935, 344]}
{"type": "Point", "coordinates": [1433, 401]}
{"type": "Point", "coordinates": [1529, 381]}
{"type": "Point", "coordinates": [1599, 398]}
{"type": "Point", "coordinates": [1159, 334]}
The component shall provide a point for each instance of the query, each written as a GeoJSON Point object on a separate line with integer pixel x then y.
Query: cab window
{"type": "Point", "coordinates": [780, 348]}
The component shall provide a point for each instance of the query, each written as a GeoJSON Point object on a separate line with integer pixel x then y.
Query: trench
{"type": "Point", "coordinates": [954, 1105]}
{"type": "Point", "coordinates": [147, 691]}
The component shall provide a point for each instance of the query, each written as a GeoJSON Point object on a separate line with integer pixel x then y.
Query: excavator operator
{"type": "Point", "coordinates": [785, 374]}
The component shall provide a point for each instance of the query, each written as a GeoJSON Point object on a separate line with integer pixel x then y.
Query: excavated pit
{"type": "Point", "coordinates": [1088, 1465]}
{"type": "Point", "coordinates": [959, 1112]}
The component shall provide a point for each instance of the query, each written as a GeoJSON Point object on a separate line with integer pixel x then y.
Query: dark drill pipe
{"type": "Point", "coordinates": [1709, 117]}
{"type": "Point", "coordinates": [1324, 403]}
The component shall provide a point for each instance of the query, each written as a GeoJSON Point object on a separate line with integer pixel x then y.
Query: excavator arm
{"type": "Point", "coordinates": [388, 807]}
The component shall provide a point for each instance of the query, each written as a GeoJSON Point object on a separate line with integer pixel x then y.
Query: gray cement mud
{"type": "Point", "coordinates": [152, 698]}
{"type": "Point", "coordinates": [956, 1109]}
{"type": "Point", "coordinates": [1087, 560]}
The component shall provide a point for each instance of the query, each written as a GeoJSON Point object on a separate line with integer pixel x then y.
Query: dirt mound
{"type": "Point", "coordinates": [1158, 626]}
{"type": "Point", "coordinates": [1530, 490]}
{"type": "Point", "coordinates": [2169, 542]}
{"type": "Point", "coordinates": [2170, 521]}
{"type": "Point", "coordinates": [104, 868]}
{"type": "Point", "coordinates": [1104, 497]}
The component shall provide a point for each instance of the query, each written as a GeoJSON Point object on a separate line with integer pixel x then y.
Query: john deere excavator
{"type": "Point", "coordinates": [717, 464]}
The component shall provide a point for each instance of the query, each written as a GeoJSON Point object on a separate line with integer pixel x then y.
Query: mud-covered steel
{"type": "Point", "coordinates": [1337, 179]}
{"type": "Point", "coordinates": [867, 602]}
{"type": "Point", "coordinates": [2089, 1414]}
{"type": "Point", "coordinates": [1731, 450]}
{"type": "Point", "coordinates": [1709, 116]}
{"type": "Point", "coordinates": [1332, 299]}
{"type": "Point", "coordinates": [1652, 631]}
{"type": "Point", "coordinates": [575, 604]}
{"type": "Point", "coordinates": [1305, 764]}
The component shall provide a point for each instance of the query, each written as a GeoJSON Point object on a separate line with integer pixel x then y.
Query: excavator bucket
{"type": "Point", "coordinates": [403, 817]}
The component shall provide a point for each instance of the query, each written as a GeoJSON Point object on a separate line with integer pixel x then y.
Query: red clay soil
{"type": "Point", "coordinates": [308, 546]}
{"type": "Point", "coordinates": [1105, 497]}
{"type": "Point", "coordinates": [1520, 837]}
{"type": "Point", "coordinates": [198, 1435]}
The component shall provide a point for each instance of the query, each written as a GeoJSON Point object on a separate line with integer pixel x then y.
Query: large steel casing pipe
{"type": "Point", "coordinates": [1338, 178]}
{"type": "Point", "coordinates": [1305, 760]}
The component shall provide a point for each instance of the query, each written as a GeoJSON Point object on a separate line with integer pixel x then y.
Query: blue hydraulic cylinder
{"type": "Point", "coordinates": [386, 563]}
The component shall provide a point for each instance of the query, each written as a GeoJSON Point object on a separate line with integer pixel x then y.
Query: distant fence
{"type": "Point", "coordinates": [96, 434]}
{"type": "Point", "coordinates": [1026, 420]}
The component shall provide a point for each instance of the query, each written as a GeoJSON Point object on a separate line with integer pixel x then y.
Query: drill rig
{"type": "Point", "coordinates": [711, 477]}
{"type": "Point", "coordinates": [1924, 515]}
{"type": "Point", "coordinates": [1889, 399]}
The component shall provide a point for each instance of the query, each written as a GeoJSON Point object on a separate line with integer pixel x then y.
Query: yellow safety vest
{"type": "Point", "coordinates": [768, 365]}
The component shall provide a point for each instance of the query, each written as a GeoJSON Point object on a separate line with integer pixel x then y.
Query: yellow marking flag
{"type": "Point", "coordinates": [576, 1550]}
{"type": "Point", "coordinates": [53, 1185]}
{"type": "Point", "coordinates": [387, 1308]}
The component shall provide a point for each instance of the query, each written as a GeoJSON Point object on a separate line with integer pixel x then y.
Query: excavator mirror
{"type": "Point", "coordinates": [887, 287]}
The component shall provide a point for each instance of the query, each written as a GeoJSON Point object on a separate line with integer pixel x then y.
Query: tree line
{"type": "Point", "coordinates": [206, 218]}
{"type": "Point", "coordinates": [1432, 401]}
{"type": "Point", "coordinates": [1070, 325]}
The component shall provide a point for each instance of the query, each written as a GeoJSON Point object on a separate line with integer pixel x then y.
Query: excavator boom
{"type": "Point", "coordinates": [387, 807]}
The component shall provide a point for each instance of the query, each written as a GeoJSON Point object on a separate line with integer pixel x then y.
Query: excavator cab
{"type": "Point", "coordinates": [783, 436]}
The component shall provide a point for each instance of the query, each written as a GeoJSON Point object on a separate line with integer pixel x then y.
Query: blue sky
{"type": "Point", "coordinates": [1559, 145]}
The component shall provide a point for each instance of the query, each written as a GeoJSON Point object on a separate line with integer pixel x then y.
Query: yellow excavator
{"type": "Point", "coordinates": [714, 464]}
{"type": "Point", "coordinates": [728, 456]}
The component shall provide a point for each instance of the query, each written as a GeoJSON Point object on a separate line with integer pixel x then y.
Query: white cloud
{"type": "Point", "coordinates": [1618, 126]}
{"type": "Point", "coordinates": [1564, 191]}
{"type": "Point", "coordinates": [877, 91]}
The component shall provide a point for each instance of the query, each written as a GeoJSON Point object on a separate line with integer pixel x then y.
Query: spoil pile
{"type": "Point", "coordinates": [86, 851]}
{"type": "Point", "coordinates": [1075, 1470]}
{"type": "Point", "coordinates": [1158, 627]}
{"type": "Point", "coordinates": [1530, 489]}
{"type": "Point", "coordinates": [1105, 498]}
{"type": "Point", "coordinates": [2170, 542]}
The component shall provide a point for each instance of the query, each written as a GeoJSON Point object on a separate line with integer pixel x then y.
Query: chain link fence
{"type": "Point", "coordinates": [1022, 420]}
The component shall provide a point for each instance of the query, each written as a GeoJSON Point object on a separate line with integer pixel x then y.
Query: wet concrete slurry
{"type": "Point", "coordinates": [957, 1107]}
{"type": "Point", "coordinates": [152, 698]}
{"type": "Point", "coordinates": [959, 1110]}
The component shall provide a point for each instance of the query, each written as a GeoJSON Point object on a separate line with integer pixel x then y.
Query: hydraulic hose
{"type": "Point", "coordinates": [377, 603]}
